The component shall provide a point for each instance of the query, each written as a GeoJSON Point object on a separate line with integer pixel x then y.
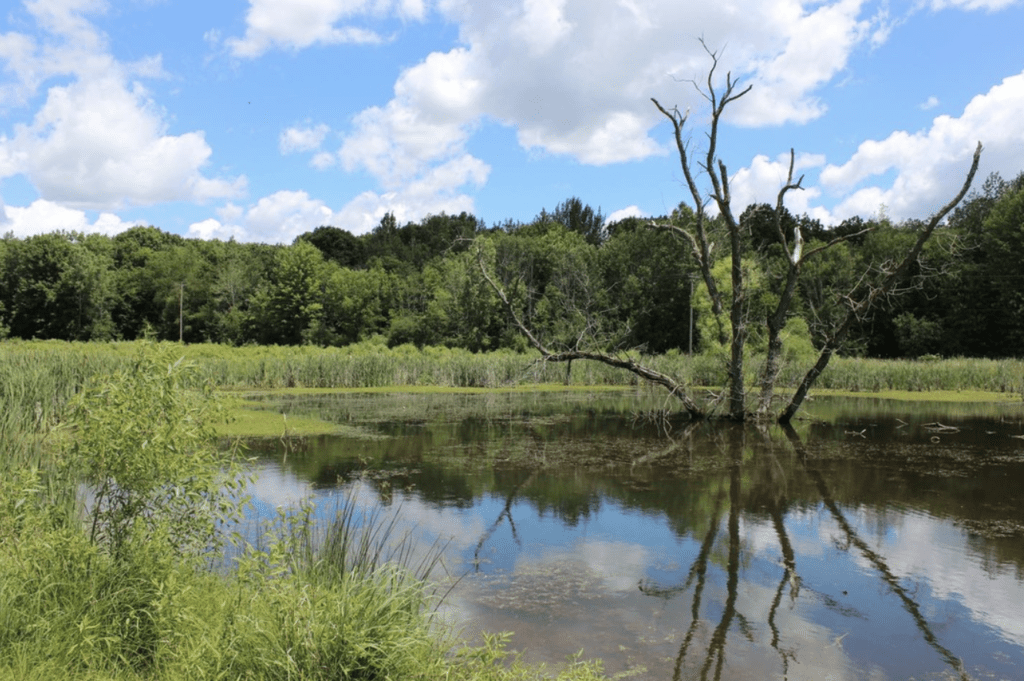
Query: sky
{"type": "Point", "coordinates": [262, 119]}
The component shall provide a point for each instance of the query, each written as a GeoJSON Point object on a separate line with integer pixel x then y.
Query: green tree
{"type": "Point", "coordinates": [142, 300]}
{"type": "Point", "coordinates": [144, 445]}
{"type": "Point", "coordinates": [56, 287]}
{"type": "Point", "coordinates": [358, 303]}
{"type": "Point", "coordinates": [649, 284]}
{"type": "Point", "coordinates": [462, 312]}
{"type": "Point", "coordinates": [580, 218]}
{"type": "Point", "coordinates": [288, 308]}
{"type": "Point", "coordinates": [338, 245]}
{"type": "Point", "coordinates": [1003, 244]}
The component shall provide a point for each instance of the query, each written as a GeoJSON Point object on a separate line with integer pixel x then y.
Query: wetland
{"type": "Point", "coordinates": [876, 539]}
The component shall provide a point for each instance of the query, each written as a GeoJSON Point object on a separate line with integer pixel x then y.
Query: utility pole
{"type": "Point", "coordinates": [181, 312]}
{"type": "Point", "coordinates": [691, 316]}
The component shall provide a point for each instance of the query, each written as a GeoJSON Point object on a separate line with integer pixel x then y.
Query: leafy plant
{"type": "Point", "coordinates": [144, 447]}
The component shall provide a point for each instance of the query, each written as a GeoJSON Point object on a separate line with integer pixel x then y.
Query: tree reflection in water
{"type": "Point", "coordinates": [876, 560]}
{"type": "Point", "coordinates": [740, 539]}
{"type": "Point", "coordinates": [710, 661]}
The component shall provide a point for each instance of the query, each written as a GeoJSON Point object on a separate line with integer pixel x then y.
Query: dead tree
{"type": "Point", "coordinates": [860, 302]}
{"type": "Point", "coordinates": [795, 258]}
{"type": "Point", "coordinates": [716, 171]}
{"type": "Point", "coordinates": [694, 232]}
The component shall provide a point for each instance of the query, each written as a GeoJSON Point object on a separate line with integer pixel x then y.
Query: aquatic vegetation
{"type": "Point", "coordinates": [131, 584]}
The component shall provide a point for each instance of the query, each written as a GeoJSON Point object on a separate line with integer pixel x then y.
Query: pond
{"type": "Point", "coordinates": [875, 540]}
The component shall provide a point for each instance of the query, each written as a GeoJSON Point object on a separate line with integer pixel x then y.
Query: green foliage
{"type": "Point", "coordinates": [338, 245]}
{"type": "Point", "coordinates": [916, 336]}
{"type": "Point", "coordinates": [290, 305]}
{"type": "Point", "coordinates": [125, 596]}
{"type": "Point", "coordinates": [144, 446]}
{"type": "Point", "coordinates": [1004, 246]}
{"type": "Point", "coordinates": [648, 278]}
{"type": "Point", "coordinates": [759, 300]}
{"type": "Point", "coordinates": [56, 287]}
{"type": "Point", "coordinates": [578, 217]}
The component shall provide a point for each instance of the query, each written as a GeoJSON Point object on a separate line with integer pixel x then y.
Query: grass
{"type": "Point", "coordinates": [134, 594]}
{"type": "Point", "coordinates": [349, 604]}
{"type": "Point", "coordinates": [38, 366]}
{"type": "Point", "coordinates": [37, 378]}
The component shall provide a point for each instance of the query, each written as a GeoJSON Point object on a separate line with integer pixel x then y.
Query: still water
{"type": "Point", "coordinates": [875, 540]}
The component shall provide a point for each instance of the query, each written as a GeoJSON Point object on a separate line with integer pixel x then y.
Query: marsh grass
{"type": "Point", "coordinates": [42, 375]}
{"type": "Point", "coordinates": [130, 594]}
{"type": "Point", "coordinates": [347, 602]}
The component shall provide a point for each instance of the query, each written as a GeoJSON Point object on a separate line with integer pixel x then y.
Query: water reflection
{"type": "Point", "coordinates": [853, 547]}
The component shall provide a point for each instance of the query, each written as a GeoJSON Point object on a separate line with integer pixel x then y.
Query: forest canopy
{"type": "Point", "coordinates": [419, 283]}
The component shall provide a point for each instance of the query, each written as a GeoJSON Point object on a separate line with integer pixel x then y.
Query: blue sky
{"type": "Point", "coordinates": [262, 119]}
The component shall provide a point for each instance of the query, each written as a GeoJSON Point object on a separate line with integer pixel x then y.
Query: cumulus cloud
{"type": "Point", "coordinates": [44, 217]}
{"type": "Point", "coordinates": [302, 139]}
{"type": "Point", "coordinates": [296, 24]}
{"type": "Point", "coordinates": [930, 165]}
{"type": "Point", "coordinates": [283, 215]}
{"type": "Point", "coordinates": [277, 218]}
{"type": "Point", "coordinates": [98, 142]}
{"type": "Point", "coordinates": [574, 78]}
{"type": "Point", "coordinates": [761, 181]}
{"type": "Point", "coordinates": [623, 213]}
{"type": "Point", "coordinates": [437, 191]}
{"type": "Point", "coordinates": [818, 45]}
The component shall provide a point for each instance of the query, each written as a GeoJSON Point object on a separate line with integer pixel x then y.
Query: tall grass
{"type": "Point", "coordinates": [38, 377]}
{"type": "Point", "coordinates": [132, 601]}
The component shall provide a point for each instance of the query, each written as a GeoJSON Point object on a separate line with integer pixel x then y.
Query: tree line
{"type": "Point", "coordinates": [623, 283]}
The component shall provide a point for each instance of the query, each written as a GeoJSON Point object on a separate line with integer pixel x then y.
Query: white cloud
{"type": "Point", "coordinates": [43, 217]}
{"type": "Point", "coordinates": [283, 215]}
{"type": "Point", "coordinates": [397, 143]}
{"type": "Point", "coordinates": [929, 103]}
{"type": "Point", "coordinates": [989, 5]}
{"type": "Point", "coordinates": [620, 136]}
{"type": "Point", "coordinates": [818, 45]}
{"type": "Point", "coordinates": [623, 213]}
{"type": "Point", "coordinates": [761, 181]}
{"type": "Point", "coordinates": [297, 24]}
{"type": "Point", "coordinates": [433, 193]}
{"type": "Point", "coordinates": [302, 139]}
{"type": "Point", "coordinates": [277, 218]}
{"type": "Point", "coordinates": [931, 165]}
{"type": "Point", "coordinates": [575, 77]}
{"type": "Point", "coordinates": [98, 142]}
{"type": "Point", "coordinates": [323, 160]}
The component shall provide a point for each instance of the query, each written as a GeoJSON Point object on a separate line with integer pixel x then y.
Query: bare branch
{"type": "Point", "coordinates": [798, 240]}
{"type": "Point", "coordinates": [628, 363]}
{"type": "Point", "coordinates": [837, 240]}
{"type": "Point", "coordinates": [860, 307]}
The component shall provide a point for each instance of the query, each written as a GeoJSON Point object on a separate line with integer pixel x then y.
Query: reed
{"type": "Point", "coordinates": [132, 602]}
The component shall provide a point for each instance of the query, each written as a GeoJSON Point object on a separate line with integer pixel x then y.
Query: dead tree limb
{"type": "Point", "coordinates": [628, 363]}
{"type": "Point", "coordinates": [858, 306]}
{"type": "Point", "coordinates": [718, 175]}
